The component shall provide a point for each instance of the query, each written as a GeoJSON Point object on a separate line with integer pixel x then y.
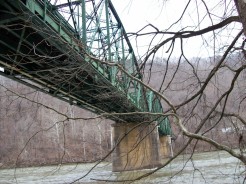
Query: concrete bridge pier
{"type": "Point", "coordinates": [166, 147]}
{"type": "Point", "coordinates": [137, 146]}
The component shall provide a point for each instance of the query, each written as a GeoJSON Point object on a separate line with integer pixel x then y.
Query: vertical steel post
{"type": "Point", "coordinates": [133, 71]}
{"type": "Point", "coordinates": [45, 9]}
{"type": "Point", "coordinates": [108, 33]}
{"type": "Point", "coordinates": [112, 77]}
{"type": "Point", "coordinates": [123, 56]}
{"type": "Point", "coordinates": [150, 98]}
{"type": "Point", "coordinates": [78, 25]}
{"type": "Point", "coordinates": [139, 96]}
{"type": "Point", "coordinates": [84, 39]}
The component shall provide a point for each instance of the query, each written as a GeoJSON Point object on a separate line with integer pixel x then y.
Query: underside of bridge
{"type": "Point", "coordinates": [66, 56]}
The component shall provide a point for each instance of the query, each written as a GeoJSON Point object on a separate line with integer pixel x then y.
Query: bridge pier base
{"type": "Point", "coordinates": [137, 146]}
{"type": "Point", "coordinates": [166, 147]}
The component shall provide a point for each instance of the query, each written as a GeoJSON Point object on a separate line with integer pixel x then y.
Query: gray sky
{"type": "Point", "coordinates": [135, 14]}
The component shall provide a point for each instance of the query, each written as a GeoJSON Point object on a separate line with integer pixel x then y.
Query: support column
{"type": "Point", "coordinates": [136, 146]}
{"type": "Point", "coordinates": [166, 147]}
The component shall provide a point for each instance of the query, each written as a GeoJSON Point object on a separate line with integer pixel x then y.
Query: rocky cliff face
{"type": "Point", "coordinates": [31, 134]}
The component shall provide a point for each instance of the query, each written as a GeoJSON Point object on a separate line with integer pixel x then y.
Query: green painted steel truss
{"type": "Point", "coordinates": [62, 48]}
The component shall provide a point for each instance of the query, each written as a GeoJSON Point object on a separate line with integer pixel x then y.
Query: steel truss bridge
{"type": "Point", "coordinates": [62, 47]}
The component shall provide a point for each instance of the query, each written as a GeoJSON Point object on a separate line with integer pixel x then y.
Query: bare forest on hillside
{"type": "Point", "coordinates": [183, 79]}
{"type": "Point", "coordinates": [38, 136]}
{"type": "Point", "coordinates": [31, 134]}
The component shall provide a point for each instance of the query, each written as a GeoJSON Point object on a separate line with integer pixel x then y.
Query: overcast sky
{"type": "Point", "coordinates": [135, 14]}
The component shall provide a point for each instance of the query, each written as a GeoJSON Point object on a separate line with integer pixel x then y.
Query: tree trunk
{"type": "Point", "coordinates": [241, 8]}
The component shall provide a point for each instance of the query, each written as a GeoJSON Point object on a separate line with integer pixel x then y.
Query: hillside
{"type": "Point", "coordinates": [31, 134]}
